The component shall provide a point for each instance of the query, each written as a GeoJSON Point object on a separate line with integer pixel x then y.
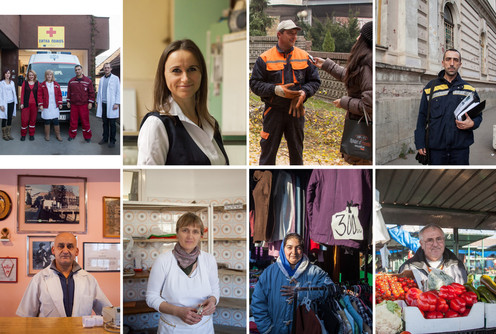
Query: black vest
{"type": "Point", "coordinates": [27, 91]}
{"type": "Point", "coordinates": [182, 148]}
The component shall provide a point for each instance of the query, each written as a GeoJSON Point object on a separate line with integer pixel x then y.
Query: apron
{"type": "Point", "coordinates": [181, 290]}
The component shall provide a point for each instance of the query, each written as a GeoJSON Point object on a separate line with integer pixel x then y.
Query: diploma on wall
{"type": "Point", "coordinates": [470, 107]}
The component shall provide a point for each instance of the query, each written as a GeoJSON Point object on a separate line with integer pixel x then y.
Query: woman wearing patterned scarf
{"type": "Point", "coordinates": [272, 300]}
{"type": "Point", "coordinates": [184, 284]}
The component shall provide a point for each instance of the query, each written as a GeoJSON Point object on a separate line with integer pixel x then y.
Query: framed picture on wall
{"type": "Point", "coordinates": [111, 217]}
{"type": "Point", "coordinates": [102, 256]}
{"type": "Point", "coordinates": [8, 270]}
{"type": "Point", "coordinates": [39, 250]}
{"type": "Point", "coordinates": [50, 204]}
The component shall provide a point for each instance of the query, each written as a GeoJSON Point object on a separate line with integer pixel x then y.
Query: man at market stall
{"type": "Point", "coordinates": [434, 254]}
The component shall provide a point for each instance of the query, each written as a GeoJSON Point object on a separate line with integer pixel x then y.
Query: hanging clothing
{"type": "Point", "coordinates": [273, 312]}
{"type": "Point", "coordinates": [328, 192]}
{"type": "Point", "coordinates": [284, 205]}
{"type": "Point", "coordinates": [306, 321]}
{"type": "Point", "coordinates": [261, 197]}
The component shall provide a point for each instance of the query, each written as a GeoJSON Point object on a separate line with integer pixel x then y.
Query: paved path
{"type": "Point", "coordinates": [53, 147]}
{"type": "Point", "coordinates": [481, 152]}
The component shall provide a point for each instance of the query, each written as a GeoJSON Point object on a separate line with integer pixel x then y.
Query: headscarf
{"type": "Point", "coordinates": [286, 263]}
{"type": "Point", "coordinates": [184, 258]}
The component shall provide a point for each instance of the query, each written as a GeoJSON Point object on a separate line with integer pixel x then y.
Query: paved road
{"type": "Point", "coordinates": [53, 147]}
{"type": "Point", "coordinates": [481, 152]}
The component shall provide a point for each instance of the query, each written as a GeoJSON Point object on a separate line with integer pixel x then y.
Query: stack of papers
{"type": "Point", "coordinates": [468, 105]}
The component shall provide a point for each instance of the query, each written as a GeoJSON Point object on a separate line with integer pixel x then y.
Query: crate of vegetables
{"type": "Point", "coordinates": [487, 291]}
{"type": "Point", "coordinates": [393, 286]}
{"type": "Point", "coordinates": [450, 309]}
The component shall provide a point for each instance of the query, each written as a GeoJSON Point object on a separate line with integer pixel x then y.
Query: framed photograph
{"type": "Point", "coordinates": [111, 217]}
{"type": "Point", "coordinates": [50, 204]}
{"type": "Point", "coordinates": [8, 270]}
{"type": "Point", "coordinates": [39, 250]}
{"type": "Point", "coordinates": [102, 256]}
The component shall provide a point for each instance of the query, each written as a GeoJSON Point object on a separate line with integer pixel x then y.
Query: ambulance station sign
{"type": "Point", "coordinates": [51, 37]}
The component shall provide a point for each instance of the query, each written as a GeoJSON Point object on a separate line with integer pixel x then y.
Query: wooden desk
{"type": "Point", "coordinates": [20, 325]}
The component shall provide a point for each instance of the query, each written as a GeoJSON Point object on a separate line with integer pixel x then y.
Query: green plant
{"type": "Point", "coordinates": [259, 20]}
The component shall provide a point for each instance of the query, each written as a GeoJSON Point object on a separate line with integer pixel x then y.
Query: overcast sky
{"type": "Point", "coordinates": [103, 8]}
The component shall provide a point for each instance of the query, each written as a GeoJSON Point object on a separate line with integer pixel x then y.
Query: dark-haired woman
{"type": "Point", "coordinates": [357, 77]}
{"type": "Point", "coordinates": [180, 130]}
{"type": "Point", "coordinates": [272, 300]}
{"type": "Point", "coordinates": [29, 105]}
{"type": "Point", "coordinates": [8, 101]}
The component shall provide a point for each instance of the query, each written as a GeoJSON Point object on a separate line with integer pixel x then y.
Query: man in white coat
{"type": "Point", "coordinates": [108, 101]}
{"type": "Point", "coordinates": [62, 289]}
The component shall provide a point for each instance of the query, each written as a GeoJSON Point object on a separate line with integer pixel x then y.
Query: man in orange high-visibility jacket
{"type": "Point", "coordinates": [284, 77]}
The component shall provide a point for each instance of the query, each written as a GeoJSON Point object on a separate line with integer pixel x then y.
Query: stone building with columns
{"type": "Point", "coordinates": [411, 39]}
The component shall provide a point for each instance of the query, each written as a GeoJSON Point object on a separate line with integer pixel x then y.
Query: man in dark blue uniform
{"type": "Point", "coordinates": [284, 77]}
{"type": "Point", "coordinates": [449, 138]}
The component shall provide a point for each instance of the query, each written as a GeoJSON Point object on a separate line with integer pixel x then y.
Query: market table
{"type": "Point", "coordinates": [20, 325]}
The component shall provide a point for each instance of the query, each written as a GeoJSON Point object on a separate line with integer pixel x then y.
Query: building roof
{"type": "Point", "coordinates": [114, 59]}
{"type": "Point", "coordinates": [456, 198]}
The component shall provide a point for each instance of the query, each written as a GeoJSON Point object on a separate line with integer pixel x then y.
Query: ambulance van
{"type": "Point", "coordinates": [62, 64]}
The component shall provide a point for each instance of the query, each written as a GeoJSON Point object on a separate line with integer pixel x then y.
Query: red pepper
{"type": "Point", "coordinates": [469, 297]}
{"type": "Point", "coordinates": [464, 314]}
{"type": "Point", "coordinates": [433, 315]}
{"type": "Point", "coordinates": [442, 306]}
{"type": "Point", "coordinates": [427, 301]}
{"type": "Point", "coordinates": [459, 289]}
{"type": "Point", "coordinates": [447, 292]}
{"type": "Point", "coordinates": [412, 296]}
{"type": "Point", "coordinates": [451, 314]}
{"type": "Point", "coordinates": [458, 305]}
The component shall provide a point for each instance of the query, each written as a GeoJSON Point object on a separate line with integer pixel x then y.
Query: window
{"type": "Point", "coordinates": [448, 28]}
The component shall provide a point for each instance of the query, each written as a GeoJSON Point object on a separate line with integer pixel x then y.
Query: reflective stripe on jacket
{"type": "Point", "coordinates": [443, 133]}
{"type": "Point", "coordinates": [274, 67]}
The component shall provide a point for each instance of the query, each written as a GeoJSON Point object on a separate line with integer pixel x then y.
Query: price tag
{"type": "Point", "coordinates": [346, 225]}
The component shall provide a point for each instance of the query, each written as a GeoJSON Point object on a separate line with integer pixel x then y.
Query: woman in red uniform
{"type": "Point", "coordinates": [29, 105]}
{"type": "Point", "coordinates": [50, 102]}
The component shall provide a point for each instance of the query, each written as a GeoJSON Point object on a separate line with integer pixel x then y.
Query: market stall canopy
{"type": "Point", "coordinates": [451, 198]}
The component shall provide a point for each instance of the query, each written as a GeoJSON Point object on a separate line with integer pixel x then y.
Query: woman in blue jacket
{"type": "Point", "coordinates": [272, 300]}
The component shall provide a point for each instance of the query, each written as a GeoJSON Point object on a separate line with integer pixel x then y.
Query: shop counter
{"type": "Point", "coordinates": [20, 325]}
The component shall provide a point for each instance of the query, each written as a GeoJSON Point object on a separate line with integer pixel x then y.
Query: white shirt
{"type": "Point", "coordinates": [9, 93]}
{"type": "Point", "coordinates": [52, 111]}
{"type": "Point", "coordinates": [153, 143]}
{"type": "Point", "coordinates": [168, 283]}
{"type": "Point", "coordinates": [44, 296]}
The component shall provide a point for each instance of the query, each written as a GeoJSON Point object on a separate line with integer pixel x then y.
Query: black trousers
{"type": "Point", "coordinates": [109, 128]}
{"type": "Point", "coordinates": [450, 157]}
{"type": "Point", "coordinates": [276, 123]}
{"type": "Point", "coordinates": [10, 112]}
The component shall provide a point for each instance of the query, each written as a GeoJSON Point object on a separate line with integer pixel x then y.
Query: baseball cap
{"type": "Point", "coordinates": [287, 25]}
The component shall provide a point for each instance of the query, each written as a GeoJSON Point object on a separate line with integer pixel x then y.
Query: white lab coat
{"type": "Point", "coordinates": [113, 97]}
{"type": "Point", "coordinates": [44, 296]}
{"type": "Point", "coordinates": [4, 88]}
{"type": "Point", "coordinates": [167, 282]}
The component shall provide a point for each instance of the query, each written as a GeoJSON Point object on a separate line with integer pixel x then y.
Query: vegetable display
{"type": "Point", "coordinates": [450, 302]}
{"type": "Point", "coordinates": [390, 287]}
{"type": "Point", "coordinates": [388, 318]}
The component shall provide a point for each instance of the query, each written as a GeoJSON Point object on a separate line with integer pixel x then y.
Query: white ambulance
{"type": "Point", "coordinates": [62, 64]}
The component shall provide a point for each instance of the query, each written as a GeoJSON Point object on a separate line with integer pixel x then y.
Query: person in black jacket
{"type": "Point", "coordinates": [284, 77]}
{"type": "Point", "coordinates": [434, 254]}
{"type": "Point", "coordinates": [29, 105]}
{"type": "Point", "coordinates": [449, 138]}
{"type": "Point", "coordinates": [180, 130]}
